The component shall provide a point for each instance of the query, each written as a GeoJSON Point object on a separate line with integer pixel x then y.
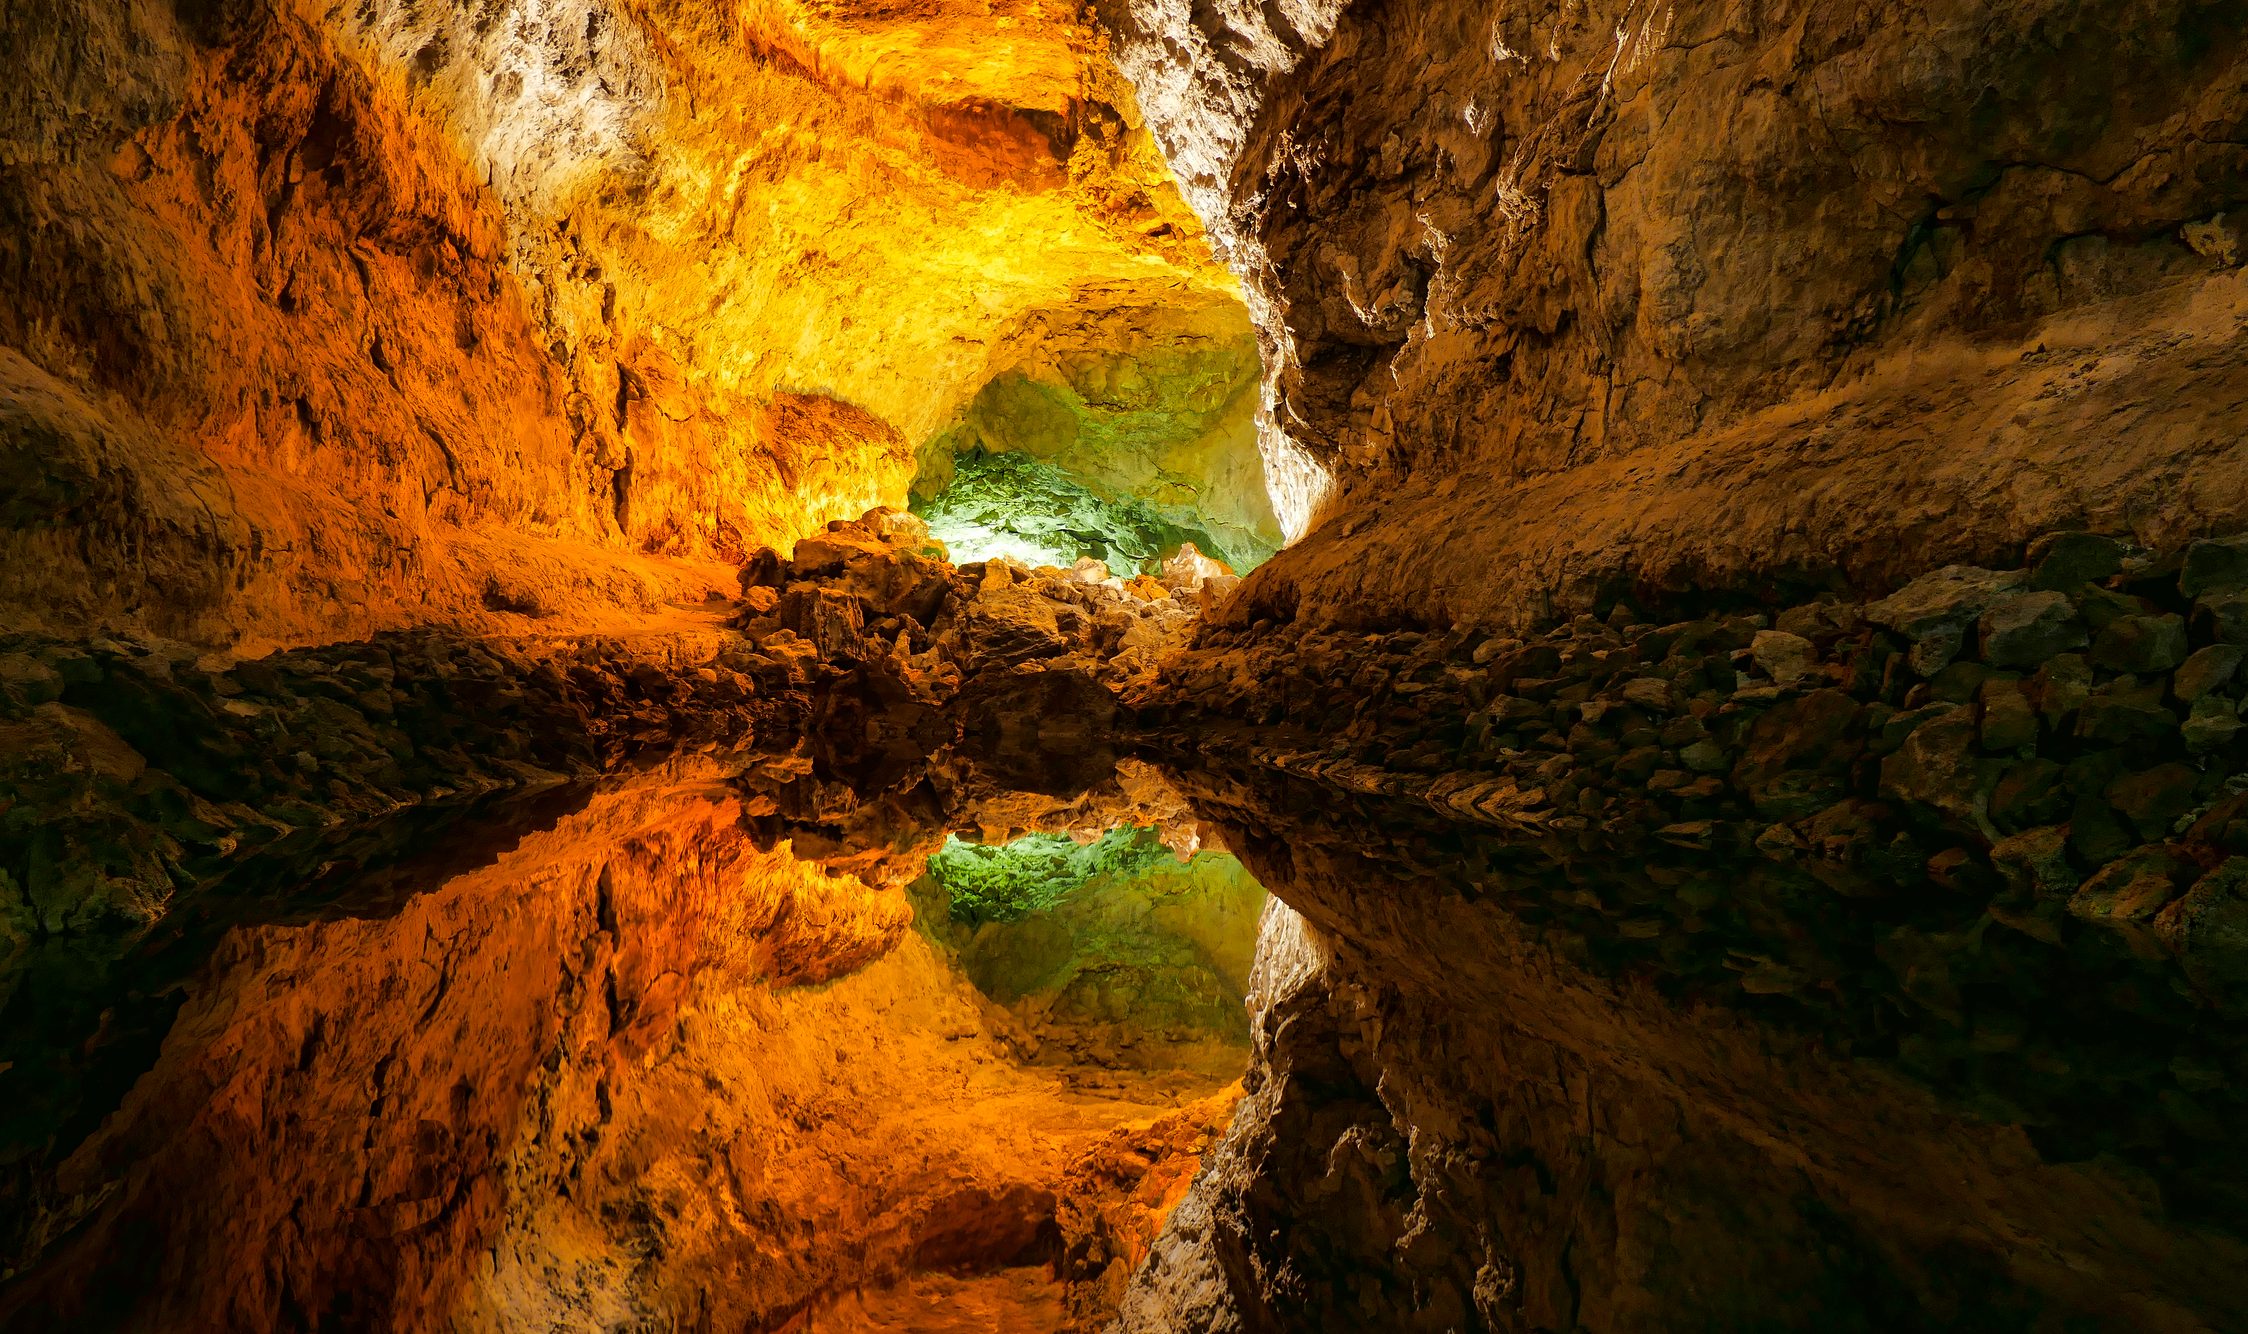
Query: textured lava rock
{"type": "Point", "coordinates": [1562, 298]}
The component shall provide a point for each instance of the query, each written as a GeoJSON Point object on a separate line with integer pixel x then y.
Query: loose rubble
{"type": "Point", "coordinates": [2015, 734]}
{"type": "Point", "coordinates": [135, 770]}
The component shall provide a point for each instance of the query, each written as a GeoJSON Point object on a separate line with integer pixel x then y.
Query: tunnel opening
{"type": "Point", "coordinates": [1113, 430]}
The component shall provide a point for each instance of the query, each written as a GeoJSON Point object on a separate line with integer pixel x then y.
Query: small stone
{"type": "Point", "coordinates": [2207, 928]}
{"type": "Point", "coordinates": [1933, 651]}
{"type": "Point", "coordinates": [2222, 617]}
{"type": "Point", "coordinates": [2154, 799]}
{"type": "Point", "coordinates": [2209, 669]}
{"type": "Point", "coordinates": [1952, 596]}
{"type": "Point", "coordinates": [1937, 767]}
{"type": "Point", "coordinates": [1785, 658]}
{"type": "Point", "coordinates": [1959, 683]}
{"type": "Point", "coordinates": [2141, 644]}
{"type": "Point", "coordinates": [2036, 862]}
{"type": "Point", "coordinates": [1779, 842]}
{"type": "Point", "coordinates": [1820, 621]}
{"type": "Point", "coordinates": [2212, 724]}
{"type": "Point", "coordinates": [2071, 560]}
{"type": "Point", "coordinates": [1687, 834]}
{"type": "Point", "coordinates": [2100, 606]}
{"type": "Point", "coordinates": [2030, 793]}
{"type": "Point", "coordinates": [2008, 721]}
{"type": "Point", "coordinates": [2215, 567]}
{"type": "Point", "coordinates": [2061, 687]}
{"type": "Point", "coordinates": [1894, 727]}
{"type": "Point", "coordinates": [2024, 630]}
{"type": "Point", "coordinates": [1188, 568]}
{"type": "Point", "coordinates": [1954, 868]}
{"type": "Point", "coordinates": [1651, 693]}
{"type": "Point", "coordinates": [29, 679]}
{"type": "Point", "coordinates": [2128, 890]}
{"type": "Point", "coordinates": [2122, 712]}
{"type": "Point", "coordinates": [2096, 833]}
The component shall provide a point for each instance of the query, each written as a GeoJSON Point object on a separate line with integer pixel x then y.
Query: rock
{"type": "Point", "coordinates": [2096, 833]}
{"type": "Point", "coordinates": [2140, 645]}
{"type": "Point", "coordinates": [1953, 595]}
{"type": "Point", "coordinates": [2219, 566]}
{"type": "Point", "coordinates": [1187, 568]}
{"type": "Point", "coordinates": [1651, 693]}
{"type": "Point", "coordinates": [2029, 793]}
{"type": "Point", "coordinates": [2208, 669]}
{"type": "Point", "coordinates": [1938, 767]}
{"type": "Point", "coordinates": [2022, 631]}
{"type": "Point", "coordinates": [2212, 724]}
{"type": "Point", "coordinates": [2129, 890]}
{"type": "Point", "coordinates": [820, 554]}
{"type": "Point", "coordinates": [766, 569]}
{"type": "Point", "coordinates": [2222, 617]}
{"type": "Point", "coordinates": [1011, 623]}
{"type": "Point", "coordinates": [2100, 607]}
{"type": "Point", "coordinates": [2207, 928]}
{"type": "Point", "coordinates": [2123, 712]}
{"type": "Point", "coordinates": [898, 527]}
{"type": "Point", "coordinates": [1821, 622]}
{"type": "Point", "coordinates": [2153, 799]}
{"type": "Point", "coordinates": [2061, 687]}
{"type": "Point", "coordinates": [29, 680]}
{"type": "Point", "coordinates": [1959, 683]}
{"type": "Point", "coordinates": [2068, 561]}
{"type": "Point", "coordinates": [2008, 721]}
{"type": "Point", "coordinates": [1784, 657]}
{"type": "Point", "coordinates": [2035, 862]}
{"type": "Point", "coordinates": [1933, 651]}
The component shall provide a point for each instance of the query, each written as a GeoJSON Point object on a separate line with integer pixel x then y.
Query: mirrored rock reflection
{"type": "Point", "coordinates": [835, 1030]}
{"type": "Point", "coordinates": [632, 1057]}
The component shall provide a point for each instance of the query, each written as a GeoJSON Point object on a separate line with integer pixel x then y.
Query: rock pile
{"type": "Point", "coordinates": [131, 771]}
{"type": "Point", "coordinates": [2061, 740]}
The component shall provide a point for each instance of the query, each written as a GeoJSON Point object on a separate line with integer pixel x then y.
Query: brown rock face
{"type": "Point", "coordinates": [1572, 297]}
{"type": "Point", "coordinates": [324, 320]}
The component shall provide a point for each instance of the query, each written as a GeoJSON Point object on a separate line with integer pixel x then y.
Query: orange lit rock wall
{"type": "Point", "coordinates": [1577, 298]}
{"type": "Point", "coordinates": [317, 322]}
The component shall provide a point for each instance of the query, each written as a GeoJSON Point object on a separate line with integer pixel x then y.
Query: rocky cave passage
{"type": "Point", "coordinates": [607, 723]}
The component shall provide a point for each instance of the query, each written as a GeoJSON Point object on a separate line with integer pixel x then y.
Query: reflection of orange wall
{"type": "Point", "coordinates": [635, 1064]}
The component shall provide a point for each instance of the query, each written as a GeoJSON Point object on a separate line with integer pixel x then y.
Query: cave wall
{"type": "Point", "coordinates": [1567, 298]}
{"type": "Point", "coordinates": [321, 320]}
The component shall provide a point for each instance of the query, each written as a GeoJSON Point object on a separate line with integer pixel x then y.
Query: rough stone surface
{"type": "Point", "coordinates": [1565, 299]}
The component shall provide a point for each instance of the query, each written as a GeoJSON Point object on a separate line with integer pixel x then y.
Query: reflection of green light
{"type": "Point", "coordinates": [1030, 875]}
{"type": "Point", "coordinates": [1013, 505]}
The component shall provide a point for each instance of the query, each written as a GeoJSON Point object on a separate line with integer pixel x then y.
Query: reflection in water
{"type": "Point", "coordinates": [1542, 1083]}
{"type": "Point", "coordinates": [637, 1066]}
{"type": "Point", "coordinates": [718, 1048]}
{"type": "Point", "coordinates": [1123, 955]}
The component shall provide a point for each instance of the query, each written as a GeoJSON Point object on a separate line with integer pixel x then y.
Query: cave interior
{"type": "Point", "coordinates": [1141, 667]}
